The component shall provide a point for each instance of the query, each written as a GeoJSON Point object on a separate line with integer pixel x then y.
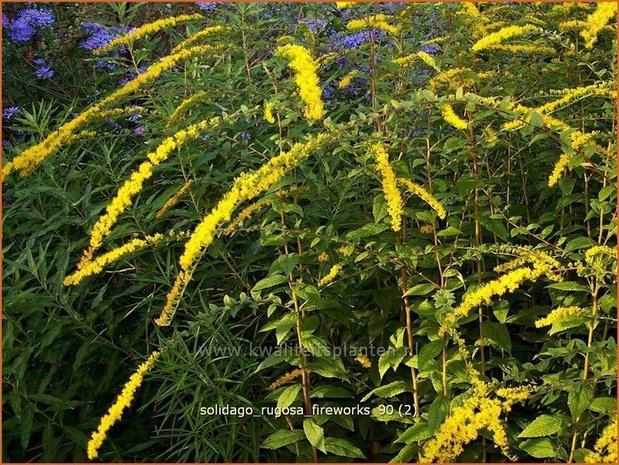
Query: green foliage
{"type": "Point", "coordinates": [256, 309]}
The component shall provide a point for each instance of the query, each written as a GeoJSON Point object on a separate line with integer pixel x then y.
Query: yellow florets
{"type": "Point", "coordinates": [268, 113]}
{"type": "Point", "coordinates": [465, 422]}
{"type": "Point", "coordinates": [32, 157]}
{"type": "Point", "coordinates": [364, 361]}
{"type": "Point", "coordinates": [323, 257]}
{"type": "Point", "coordinates": [145, 30]}
{"type": "Point", "coordinates": [306, 78]}
{"type": "Point", "coordinates": [559, 314]}
{"type": "Point", "coordinates": [604, 12]}
{"type": "Point", "coordinates": [503, 34]}
{"type": "Point", "coordinates": [395, 204]}
{"type": "Point", "coordinates": [174, 199]}
{"type": "Point", "coordinates": [605, 449]}
{"type": "Point", "coordinates": [424, 195]}
{"type": "Point", "coordinates": [245, 187]}
{"type": "Point", "coordinates": [189, 101]}
{"type": "Point", "coordinates": [450, 116]}
{"type": "Point", "coordinates": [132, 186]}
{"type": "Point", "coordinates": [284, 379]}
{"type": "Point", "coordinates": [122, 402]}
{"type": "Point", "coordinates": [198, 36]}
{"type": "Point", "coordinates": [599, 250]}
{"type": "Point", "coordinates": [331, 275]}
{"type": "Point", "coordinates": [378, 21]}
{"type": "Point", "coordinates": [406, 61]}
{"type": "Point", "coordinates": [347, 79]}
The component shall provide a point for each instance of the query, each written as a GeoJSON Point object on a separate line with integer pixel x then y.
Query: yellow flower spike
{"type": "Point", "coordinates": [605, 449]}
{"type": "Point", "coordinates": [464, 423]}
{"type": "Point", "coordinates": [557, 171]}
{"type": "Point", "coordinates": [198, 36]}
{"type": "Point", "coordinates": [503, 34]}
{"type": "Point", "coordinates": [604, 12]}
{"type": "Point", "coordinates": [343, 5]}
{"type": "Point", "coordinates": [364, 361]}
{"type": "Point", "coordinates": [559, 314]}
{"type": "Point", "coordinates": [132, 186]}
{"type": "Point", "coordinates": [323, 257]}
{"type": "Point", "coordinates": [378, 21]}
{"type": "Point", "coordinates": [93, 267]}
{"type": "Point", "coordinates": [347, 79]}
{"type": "Point", "coordinates": [407, 60]}
{"type": "Point", "coordinates": [286, 378]}
{"type": "Point", "coordinates": [331, 275]}
{"type": "Point", "coordinates": [245, 187]}
{"type": "Point", "coordinates": [306, 78]}
{"type": "Point", "coordinates": [603, 89]}
{"type": "Point", "coordinates": [599, 250]}
{"type": "Point", "coordinates": [268, 113]}
{"type": "Point", "coordinates": [395, 204]}
{"type": "Point", "coordinates": [469, 9]}
{"type": "Point", "coordinates": [32, 157]}
{"type": "Point", "coordinates": [450, 116]}
{"type": "Point", "coordinates": [122, 402]}
{"type": "Point", "coordinates": [146, 29]}
{"type": "Point", "coordinates": [174, 199]}
{"type": "Point", "coordinates": [185, 104]}
{"type": "Point", "coordinates": [424, 195]}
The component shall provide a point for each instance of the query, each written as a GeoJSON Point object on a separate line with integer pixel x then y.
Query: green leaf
{"type": "Point", "coordinates": [343, 448]}
{"type": "Point", "coordinates": [579, 243]}
{"type": "Point", "coordinates": [497, 334]}
{"type": "Point", "coordinates": [437, 412]}
{"type": "Point", "coordinates": [285, 325]}
{"type": "Point", "coordinates": [420, 289]}
{"type": "Point", "coordinates": [328, 390]}
{"type": "Point", "coordinates": [405, 455]}
{"type": "Point", "coordinates": [282, 438]}
{"type": "Point", "coordinates": [571, 286]}
{"type": "Point", "coordinates": [269, 281]}
{"type": "Point", "coordinates": [579, 398]}
{"type": "Point", "coordinates": [329, 367]}
{"type": "Point", "coordinates": [286, 263]}
{"type": "Point", "coordinates": [389, 390]}
{"type": "Point", "coordinates": [288, 396]}
{"type": "Point", "coordinates": [314, 434]}
{"type": "Point", "coordinates": [390, 359]}
{"type": "Point", "coordinates": [544, 425]}
{"type": "Point", "coordinates": [415, 433]}
{"type": "Point", "coordinates": [428, 352]}
{"type": "Point", "coordinates": [604, 405]}
{"type": "Point", "coordinates": [539, 448]}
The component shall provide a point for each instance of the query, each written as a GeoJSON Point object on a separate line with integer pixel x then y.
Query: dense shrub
{"type": "Point", "coordinates": [402, 210]}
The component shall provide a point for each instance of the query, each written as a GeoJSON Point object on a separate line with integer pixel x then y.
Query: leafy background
{"type": "Point", "coordinates": [67, 351]}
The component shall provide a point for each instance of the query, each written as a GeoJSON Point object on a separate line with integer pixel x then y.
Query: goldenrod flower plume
{"type": "Point", "coordinates": [503, 34]}
{"type": "Point", "coordinates": [604, 12]}
{"type": "Point", "coordinates": [560, 314]}
{"type": "Point", "coordinates": [146, 29]}
{"type": "Point", "coordinates": [185, 104]}
{"type": "Point", "coordinates": [395, 204]}
{"type": "Point", "coordinates": [198, 36]}
{"type": "Point", "coordinates": [268, 113]}
{"type": "Point", "coordinates": [378, 21]}
{"type": "Point", "coordinates": [424, 195]}
{"type": "Point", "coordinates": [306, 78]}
{"type": "Point", "coordinates": [450, 116]}
{"type": "Point", "coordinates": [32, 157]}
{"type": "Point", "coordinates": [122, 402]}
{"type": "Point", "coordinates": [246, 187]}
{"type": "Point", "coordinates": [286, 378]}
{"type": "Point", "coordinates": [174, 199]}
{"type": "Point", "coordinates": [134, 184]}
{"type": "Point", "coordinates": [605, 449]}
{"type": "Point", "coordinates": [330, 276]}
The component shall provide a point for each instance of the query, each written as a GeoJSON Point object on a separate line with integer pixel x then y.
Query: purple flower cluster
{"type": "Point", "coordinates": [350, 41]}
{"type": "Point", "coordinates": [100, 35]}
{"type": "Point", "coordinates": [430, 49]}
{"type": "Point", "coordinates": [315, 25]}
{"type": "Point", "coordinates": [206, 6]}
{"type": "Point", "coordinates": [27, 22]}
{"type": "Point", "coordinates": [131, 75]}
{"type": "Point", "coordinates": [9, 112]}
{"type": "Point", "coordinates": [44, 69]}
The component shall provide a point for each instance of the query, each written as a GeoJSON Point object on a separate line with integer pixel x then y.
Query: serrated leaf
{"type": "Point", "coordinates": [282, 438]}
{"type": "Point", "coordinates": [390, 359]}
{"type": "Point", "coordinates": [603, 405]}
{"type": "Point", "coordinates": [288, 396]}
{"type": "Point", "coordinates": [388, 390]}
{"type": "Point", "coordinates": [415, 433]}
{"type": "Point", "coordinates": [428, 352]}
{"type": "Point", "coordinates": [343, 448]}
{"type": "Point", "coordinates": [539, 448]}
{"type": "Point", "coordinates": [579, 398]}
{"type": "Point", "coordinates": [544, 425]}
{"type": "Point", "coordinates": [314, 434]}
{"type": "Point", "coordinates": [269, 281]}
